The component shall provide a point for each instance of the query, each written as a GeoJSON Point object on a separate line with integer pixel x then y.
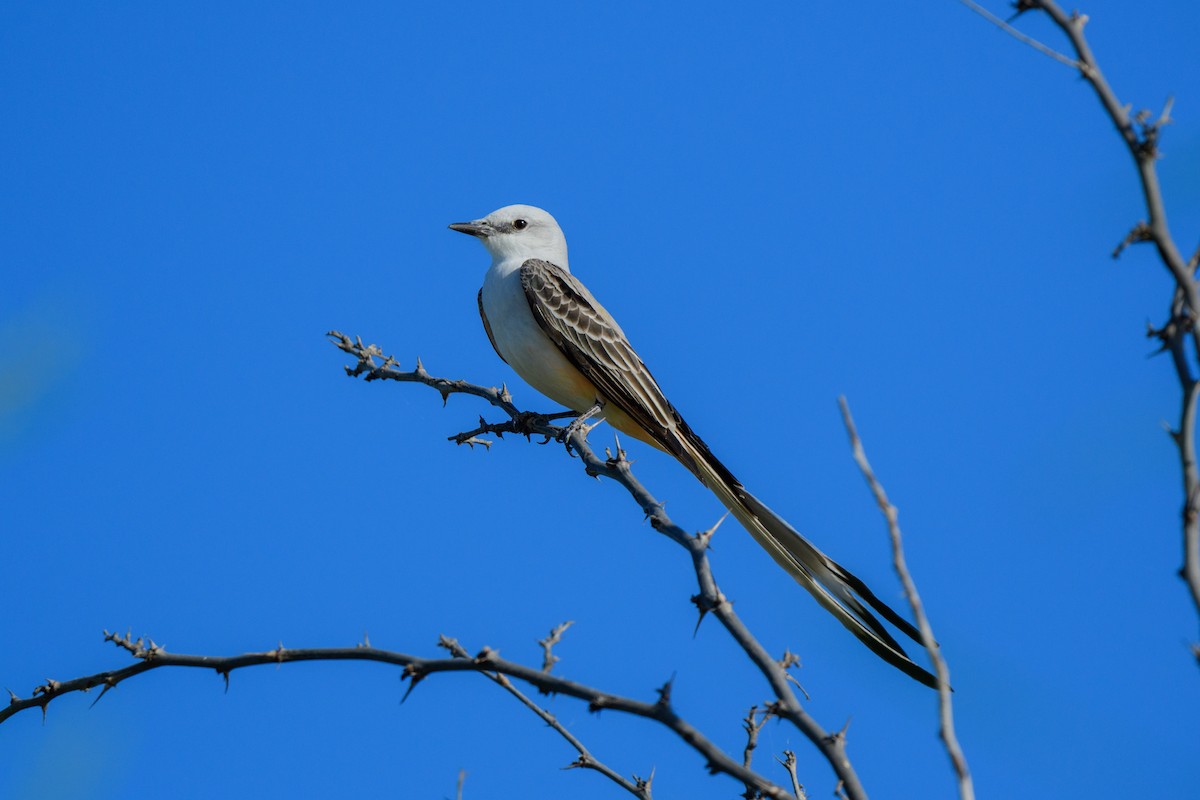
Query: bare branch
{"type": "Point", "coordinates": [617, 467]}
{"type": "Point", "coordinates": [636, 787]}
{"type": "Point", "coordinates": [415, 670]}
{"type": "Point", "coordinates": [966, 788]}
{"type": "Point", "coordinates": [1140, 133]}
{"type": "Point", "coordinates": [553, 638]}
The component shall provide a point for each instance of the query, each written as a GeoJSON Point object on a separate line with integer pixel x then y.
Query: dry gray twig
{"type": "Point", "coordinates": [789, 763]}
{"type": "Point", "coordinates": [638, 787]}
{"type": "Point", "coordinates": [553, 638]}
{"type": "Point", "coordinates": [966, 788]}
{"type": "Point", "coordinates": [1140, 132]}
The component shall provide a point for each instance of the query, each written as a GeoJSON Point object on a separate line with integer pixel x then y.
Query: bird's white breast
{"type": "Point", "coordinates": [524, 345]}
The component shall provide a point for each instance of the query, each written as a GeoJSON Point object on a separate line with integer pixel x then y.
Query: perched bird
{"type": "Point", "coordinates": [560, 340]}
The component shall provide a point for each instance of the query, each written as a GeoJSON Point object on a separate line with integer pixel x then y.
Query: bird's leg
{"type": "Point", "coordinates": [580, 424]}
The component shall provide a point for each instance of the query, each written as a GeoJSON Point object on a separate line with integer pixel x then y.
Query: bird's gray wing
{"type": "Point", "coordinates": [592, 341]}
{"type": "Point", "coordinates": [487, 326]}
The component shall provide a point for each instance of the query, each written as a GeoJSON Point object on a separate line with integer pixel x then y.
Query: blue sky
{"type": "Point", "coordinates": [781, 203]}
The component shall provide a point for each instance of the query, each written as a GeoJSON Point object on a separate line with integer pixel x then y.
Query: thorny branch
{"type": "Point", "coordinates": [966, 789]}
{"type": "Point", "coordinates": [638, 787]}
{"type": "Point", "coordinates": [708, 600]}
{"type": "Point", "coordinates": [415, 669]}
{"type": "Point", "coordinates": [1140, 132]}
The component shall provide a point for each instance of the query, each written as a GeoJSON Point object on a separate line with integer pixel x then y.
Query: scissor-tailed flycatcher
{"type": "Point", "coordinates": [549, 328]}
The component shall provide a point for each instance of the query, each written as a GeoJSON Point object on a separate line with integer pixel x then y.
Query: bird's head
{"type": "Point", "coordinates": [519, 232]}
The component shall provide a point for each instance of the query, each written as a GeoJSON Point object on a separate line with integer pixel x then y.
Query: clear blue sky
{"type": "Point", "coordinates": [781, 203]}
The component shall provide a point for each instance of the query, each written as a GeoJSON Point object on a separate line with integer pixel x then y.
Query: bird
{"type": "Point", "coordinates": [549, 328]}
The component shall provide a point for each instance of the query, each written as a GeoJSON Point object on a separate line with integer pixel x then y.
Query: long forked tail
{"type": "Point", "coordinates": [833, 586]}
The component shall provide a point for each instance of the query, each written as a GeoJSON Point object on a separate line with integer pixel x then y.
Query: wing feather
{"type": "Point", "coordinates": [592, 341]}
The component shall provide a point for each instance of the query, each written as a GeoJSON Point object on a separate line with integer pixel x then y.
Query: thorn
{"type": "Point", "coordinates": [706, 536]}
{"type": "Point", "coordinates": [12, 696]}
{"type": "Point", "coordinates": [224, 673]}
{"type": "Point", "coordinates": [420, 366]}
{"type": "Point", "coordinates": [664, 692]}
{"type": "Point", "coordinates": [1140, 232]}
{"type": "Point", "coordinates": [1020, 7]}
{"type": "Point", "coordinates": [702, 609]}
{"type": "Point", "coordinates": [366, 642]}
{"type": "Point", "coordinates": [415, 678]}
{"type": "Point", "coordinates": [109, 683]}
{"type": "Point", "coordinates": [789, 660]}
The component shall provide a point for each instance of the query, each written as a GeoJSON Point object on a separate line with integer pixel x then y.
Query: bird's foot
{"type": "Point", "coordinates": [527, 423]}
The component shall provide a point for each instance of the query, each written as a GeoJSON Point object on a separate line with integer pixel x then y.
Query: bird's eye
{"type": "Point", "coordinates": [520, 224]}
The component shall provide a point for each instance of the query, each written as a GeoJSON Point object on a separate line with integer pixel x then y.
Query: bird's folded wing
{"type": "Point", "coordinates": [591, 340]}
{"type": "Point", "coordinates": [487, 326]}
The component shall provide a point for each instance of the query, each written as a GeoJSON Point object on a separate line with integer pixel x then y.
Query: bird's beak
{"type": "Point", "coordinates": [479, 228]}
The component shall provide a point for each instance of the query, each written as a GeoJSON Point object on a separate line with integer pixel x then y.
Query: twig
{"type": "Point", "coordinates": [752, 728]}
{"type": "Point", "coordinates": [966, 788]}
{"type": "Point", "coordinates": [1011, 31]}
{"type": "Point", "coordinates": [637, 787]}
{"type": "Point", "coordinates": [789, 763]}
{"type": "Point", "coordinates": [553, 638]}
